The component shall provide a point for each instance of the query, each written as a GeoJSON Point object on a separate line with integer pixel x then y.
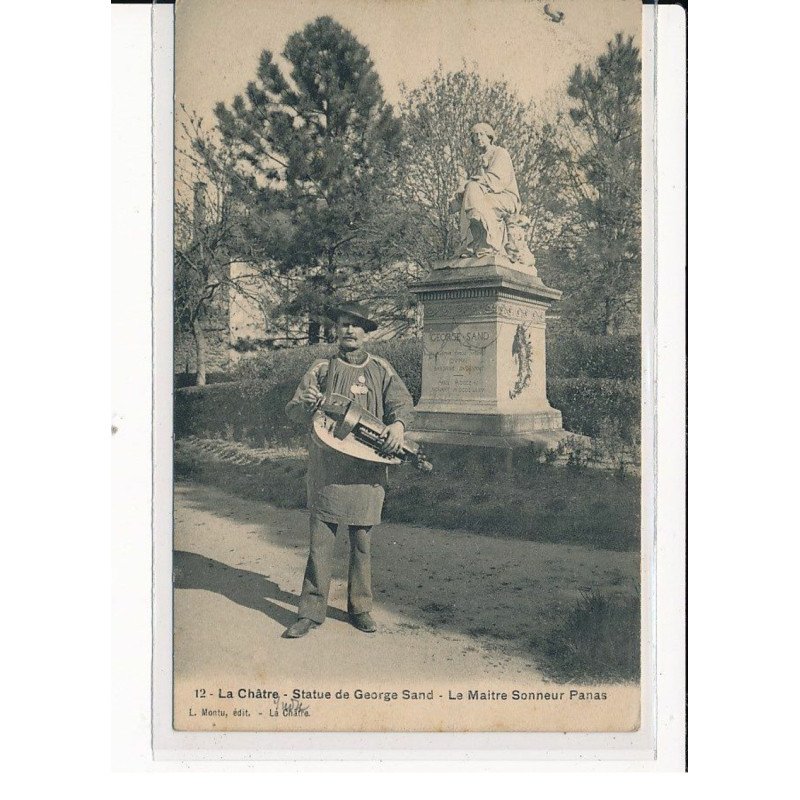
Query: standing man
{"type": "Point", "coordinates": [343, 490]}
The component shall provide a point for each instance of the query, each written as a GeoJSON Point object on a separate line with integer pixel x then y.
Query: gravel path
{"type": "Point", "coordinates": [450, 605]}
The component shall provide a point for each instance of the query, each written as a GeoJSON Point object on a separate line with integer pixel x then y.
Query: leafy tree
{"type": "Point", "coordinates": [312, 150]}
{"type": "Point", "coordinates": [209, 251]}
{"type": "Point", "coordinates": [438, 155]}
{"type": "Point", "coordinates": [597, 257]}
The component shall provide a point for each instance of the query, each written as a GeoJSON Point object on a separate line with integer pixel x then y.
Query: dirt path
{"type": "Point", "coordinates": [448, 603]}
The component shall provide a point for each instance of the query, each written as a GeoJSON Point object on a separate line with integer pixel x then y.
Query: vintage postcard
{"type": "Point", "coordinates": [412, 473]}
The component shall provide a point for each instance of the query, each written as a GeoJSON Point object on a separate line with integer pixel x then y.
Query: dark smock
{"type": "Point", "coordinates": [342, 489]}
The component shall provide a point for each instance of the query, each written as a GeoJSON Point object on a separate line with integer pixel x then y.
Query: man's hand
{"type": "Point", "coordinates": [310, 396]}
{"type": "Point", "coordinates": [393, 439]}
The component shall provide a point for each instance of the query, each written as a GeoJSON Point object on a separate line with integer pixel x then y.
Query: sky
{"type": "Point", "coordinates": [218, 42]}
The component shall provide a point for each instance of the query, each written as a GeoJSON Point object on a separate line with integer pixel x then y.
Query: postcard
{"type": "Point", "coordinates": [412, 428]}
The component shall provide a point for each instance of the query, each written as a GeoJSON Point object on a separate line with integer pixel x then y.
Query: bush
{"type": "Point", "coordinates": [184, 379]}
{"type": "Point", "coordinates": [281, 366]}
{"type": "Point", "coordinates": [597, 406]}
{"type": "Point", "coordinates": [278, 365]}
{"type": "Point", "coordinates": [568, 356]}
{"type": "Point", "coordinates": [597, 642]}
{"type": "Point", "coordinates": [252, 409]}
{"type": "Point", "coordinates": [572, 355]}
{"type": "Point", "coordinates": [469, 488]}
{"type": "Point", "coordinates": [216, 410]}
{"type": "Point", "coordinates": [251, 412]}
{"type": "Point", "coordinates": [405, 355]}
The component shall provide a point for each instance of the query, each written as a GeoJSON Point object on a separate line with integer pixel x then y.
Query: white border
{"type": "Point", "coordinates": [628, 750]}
{"type": "Point", "coordinates": [671, 383]}
{"type": "Point", "coordinates": [163, 187]}
{"type": "Point", "coordinates": [131, 402]}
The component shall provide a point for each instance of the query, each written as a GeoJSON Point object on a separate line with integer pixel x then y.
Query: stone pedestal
{"type": "Point", "coordinates": [483, 366]}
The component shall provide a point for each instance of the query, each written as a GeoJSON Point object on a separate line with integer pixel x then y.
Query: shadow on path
{"type": "Point", "coordinates": [508, 595]}
{"type": "Point", "coordinates": [248, 589]}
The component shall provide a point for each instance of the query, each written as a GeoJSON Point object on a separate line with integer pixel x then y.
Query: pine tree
{"type": "Point", "coordinates": [597, 258]}
{"type": "Point", "coordinates": [313, 151]}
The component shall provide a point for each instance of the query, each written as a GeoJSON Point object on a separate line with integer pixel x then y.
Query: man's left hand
{"type": "Point", "coordinates": [393, 439]}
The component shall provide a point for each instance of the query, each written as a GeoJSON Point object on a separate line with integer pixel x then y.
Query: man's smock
{"type": "Point", "coordinates": [342, 489]}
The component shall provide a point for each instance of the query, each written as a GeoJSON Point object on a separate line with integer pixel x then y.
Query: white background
{"type": "Point", "coordinates": [743, 447]}
{"type": "Point", "coordinates": [668, 550]}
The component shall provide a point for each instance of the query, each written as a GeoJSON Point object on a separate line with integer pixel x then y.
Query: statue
{"type": "Point", "coordinates": [517, 248]}
{"type": "Point", "coordinates": [486, 197]}
{"type": "Point", "coordinates": [489, 205]}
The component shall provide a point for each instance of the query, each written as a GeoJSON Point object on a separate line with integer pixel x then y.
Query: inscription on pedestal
{"type": "Point", "coordinates": [460, 310]}
{"type": "Point", "coordinates": [457, 360]}
{"type": "Point", "coordinates": [483, 367]}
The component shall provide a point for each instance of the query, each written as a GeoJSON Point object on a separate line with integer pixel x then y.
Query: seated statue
{"type": "Point", "coordinates": [487, 199]}
{"type": "Point", "coordinates": [518, 227]}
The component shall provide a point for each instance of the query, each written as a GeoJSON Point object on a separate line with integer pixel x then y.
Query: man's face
{"type": "Point", "coordinates": [349, 332]}
{"type": "Point", "coordinates": [481, 140]}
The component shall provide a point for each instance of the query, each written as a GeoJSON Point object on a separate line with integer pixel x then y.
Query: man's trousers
{"type": "Point", "coordinates": [317, 579]}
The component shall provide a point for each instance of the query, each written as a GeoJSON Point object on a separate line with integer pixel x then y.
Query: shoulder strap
{"type": "Point", "coordinates": [328, 381]}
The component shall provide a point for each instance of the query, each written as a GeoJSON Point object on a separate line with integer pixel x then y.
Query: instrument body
{"type": "Point", "coordinates": [340, 423]}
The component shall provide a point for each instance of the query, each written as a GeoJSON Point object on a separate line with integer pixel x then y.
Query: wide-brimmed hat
{"type": "Point", "coordinates": [356, 310]}
{"type": "Point", "coordinates": [484, 127]}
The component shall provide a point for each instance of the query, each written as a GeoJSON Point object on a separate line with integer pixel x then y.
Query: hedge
{"type": "Point", "coordinates": [183, 379]}
{"type": "Point", "coordinates": [569, 355]}
{"type": "Point", "coordinates": [279, 366]}
{"type": "Point", "coordinates": [251, 409]}
{"type": "Point", "coordinates": [572, 355]}
{"type": "Point", "coordinates": [597, 406]}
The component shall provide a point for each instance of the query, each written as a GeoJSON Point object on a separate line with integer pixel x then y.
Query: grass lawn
{"type": "Point", "coordinates": [470, 489]}
{"type": "Point", "coordinates": [598, 640]}
{"type": "Point", "coordinates": [594, 637]}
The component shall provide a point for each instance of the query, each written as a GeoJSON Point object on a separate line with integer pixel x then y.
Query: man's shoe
{"type": "Point", "coordinates": [300, 628]}
{"type": "Point", "coordinates": [363, 622]}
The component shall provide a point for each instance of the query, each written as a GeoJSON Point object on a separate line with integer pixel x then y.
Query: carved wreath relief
{"type": "Point", "coordinates": [522, 353]}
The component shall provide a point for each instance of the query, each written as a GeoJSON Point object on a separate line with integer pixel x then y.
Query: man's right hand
{"type": "Point", "coordinates": [310, 396]}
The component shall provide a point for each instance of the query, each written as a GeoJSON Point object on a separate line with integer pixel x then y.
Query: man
{"type": "Point", "coordinates": [488, 197]}
{"type": "Point", "coordinates": [343, 490]}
